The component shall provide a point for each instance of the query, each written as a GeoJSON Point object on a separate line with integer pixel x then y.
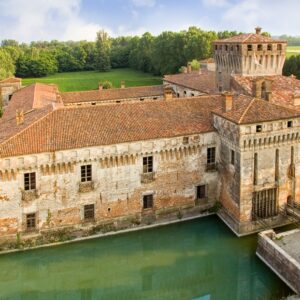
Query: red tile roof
{"type": "Point", "coordinates": [247, 110]}
{"type": "Point", "coordinates": [203, 82]}
{"type": "Point", "coordinates": [78, 127]}
{"type": "Point", "coordinates": [113, 94]}
{"type": "Point", "coordinates": [249, 38]}
{"type": "Point", "coordinates": [283, 88]}
{"type": "Point", "coordinates": [31, 97]}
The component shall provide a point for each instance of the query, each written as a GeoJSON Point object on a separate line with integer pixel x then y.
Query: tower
{"type": "Point", "coordinates": [251, 54]}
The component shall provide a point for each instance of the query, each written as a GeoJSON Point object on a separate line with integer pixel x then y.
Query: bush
{"type": "Point", "coordinates": [106, 85]}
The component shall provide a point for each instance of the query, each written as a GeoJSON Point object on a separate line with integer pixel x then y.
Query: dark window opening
{"type": "Point", "coordinates": [86, 173]}
{"type": "Point", "coordinates": [279, 47]}
{"type": "Point", "coordinates": [89, 212]}
{"type": "Point", "coordinates": [178, 95]}
{"type": "Point", "coordinates": [269, 47]}
{"type": "Point", "coordinates": [216, 47]}
{"type": "Point", "coordinates": [29, 181]}
{"type": "Point", "coordinates": [184, 92]}
{"type": "Point", "coordinates": [259, 47]}
{"type": "Point", "coordinates": [238, 47]}
{"type": "Point", "coordinates": [226, 47]}
{"type": "Point", "coordinates": [249, 47]}
{"type": "Point", "coordinates": [142, 99]}
{"type": "Point", "coordinates": [148, 164]}
{"type": "Point", "coordinates": [192, 94]}
{"type": "Point", "coordinates": [118, 101]}
{"type": "Point", "coordinates": [9, 97]}
{"type": "Point", "coordinates": [290, 124]}
{"type": "Point", "coordinates": [201, 192]}
{"type": "Point", "coordinates": [258, 128]}
{"type": "Point", "coordinates": [154, 98]}
{"type": "Point", "coordinates": [93, 103]}
{"type": "Point", "coordinates": [185, 140]}
{"type": "Point", "coordinates": [147, 201]}
{"type": "Point", "coordinates": [30, 221]}
{"type": "Point", "coordinates": [211, 155]}
{"type": "Point", "coordinates": [232, 157]}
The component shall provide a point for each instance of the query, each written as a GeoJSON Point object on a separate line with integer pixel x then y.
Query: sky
{"type": "Point", "coordinates": [32, 20]}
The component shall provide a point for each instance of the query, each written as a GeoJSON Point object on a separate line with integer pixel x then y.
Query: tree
{"type": "Point", "coordinates": [7, 67]}
{"type": "Point", "coordinates": [102, 51]}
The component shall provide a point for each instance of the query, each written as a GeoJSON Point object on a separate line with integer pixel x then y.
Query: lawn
{"type": "Point", "coordinates": [89, 80]}
{"type": "Point", "coordinates": [292, 50]}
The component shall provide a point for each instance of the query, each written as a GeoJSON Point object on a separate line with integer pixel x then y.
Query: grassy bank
{"type": "Point", "coordinates": [89, 80]}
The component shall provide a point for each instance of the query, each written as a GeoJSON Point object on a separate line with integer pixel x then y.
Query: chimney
{"type": "Point", "coordinates": [168, 93]}
{"type": "Point", "coordinates": [100, 87]}
{"type": "Point", "coordinates": [122, 84]}
{"type": "Point", "coordinates": [258, 30]}
{"type": "Point", "coordinates": [296, 99]}
{"type": "Point", "coordinates": [228, 101]}
{"type": "Point", "coordinates": [19, 117]}
{"type": "Point", "coordinates": [189, 68]}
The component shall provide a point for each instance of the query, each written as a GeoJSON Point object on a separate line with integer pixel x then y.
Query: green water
{"type": "Point", "coordinates": [199, 259]}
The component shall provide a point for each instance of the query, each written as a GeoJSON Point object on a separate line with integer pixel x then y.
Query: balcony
{"type": "Point", "coordinates": [211, 167]}
{"type": "Point", "coordinates": [85, 187]}
{"type": "Point", "coordinates": [147, 177]}
{"type": "Point", "coordinates": [29, 195]}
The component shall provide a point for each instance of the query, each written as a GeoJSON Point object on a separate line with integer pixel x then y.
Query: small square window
{"type": "Point", "coordinates": [147, 201]}
{"type": "Point", "coordinates": [290, 124]}
{"type": "Point", "coordinates": [259, 47]}
{"type": "Point", "coordinates": [89, 212]}
{"type": "Point", "coordinates": [232, 157]}
{"type": "Point", "coordinates": [142, 99]}
{"type": "Point", "coordinates": [258, 128]}
{"type": "Point", "coordinates": [185, 140]}
{"type": "Point", "coordinates": [30, 221]}
{"type": "Point", "coordinates": [200, 192]}
{"type": "Point", "coordinates": [249, 47]}
{"type": "Point", "coordinates": [269, 47]}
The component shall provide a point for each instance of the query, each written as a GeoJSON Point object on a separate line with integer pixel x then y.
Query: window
{"type": "Point", "coordinates": [9, 97]}
{"type": "Point", "coordinates": [29, 181]}
{"type": "Point", "coordinates": [93, 103]}
{"type": "Point", "coordinates": [178, 95]}
{"type": "Point", "coordinates": [201, 192]}
{"type": "Point", "coordinates": [86, 173]}
{"type": "Point", "coordinates": [154, 98]}
{"type": "Point", "coordinates": [279, 47]}
{"type": "Point", "coordinates": [290, 124]}
{"type": "Point", "coordinates": [259, 47]}
{"type": "Point", "coordinates": [185, 140]}
{"type": "Point", "coordinates": [237, 47]}
{"type": "Point", "coordinates": [142, 99]}
{"type": "Point", "coordinates": [89, 212]}
{"type": "Point", "coordinates": [269, 47]}
{"type": "Point", "coordinates": [258, 128]}
{"type": "Point", "coordinates": [232, 157]}
{"type": "Point", "coordinates": [226, 47]}
{"type": "Point", "coordinates": [184, 92]}
{"type": "Point", "coordinates": [211, 155]}
{"type": "Point", "coordinates": [30, 221]}
{"type": "Point", "coordinates": [147, 201]}
{"type": "Point", "coordinates": [192, 94]}
{"type": "Point", "coordinates": [249, 47]}
{"type": "Point", "coordinates": [216, 47]}
{"type": "Point", "coordinates": [148, 164]}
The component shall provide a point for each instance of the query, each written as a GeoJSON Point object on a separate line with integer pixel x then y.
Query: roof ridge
{"type": "Point", "coordinates": [246, 110]}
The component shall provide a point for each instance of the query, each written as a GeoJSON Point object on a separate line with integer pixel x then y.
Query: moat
{"type": "Point", "coordinates": [199, 259]}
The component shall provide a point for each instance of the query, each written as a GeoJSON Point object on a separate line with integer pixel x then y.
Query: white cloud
{"type": "Point", "coordinates": [149, 3]}
{"type": "Point", "coordinates": [44, 20]}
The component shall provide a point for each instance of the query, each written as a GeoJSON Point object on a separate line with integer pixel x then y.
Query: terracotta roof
{"type": "Point", "coordinates": [203, 82]}
{"type": "Point", "coordinates": [113, 94]}
{"type": "Point", "coordinates": [32, 97]}
{"type": "Point", "coordinates": [247, 110]}
{"type": "Point", "coordinates": [283, 88]}
{"type": "Point", "coordinates": [11, 80]}
{"type": "Point", "coordinates": [249, 38]}
{"type": "Point", "coordinates": [78, 127]}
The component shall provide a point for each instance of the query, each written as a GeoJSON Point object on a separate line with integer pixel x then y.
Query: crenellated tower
{"type": "Point", "coordinates": [251, 54]}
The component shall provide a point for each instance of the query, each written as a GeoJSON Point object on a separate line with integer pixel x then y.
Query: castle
{"type": "Point", "coordinates": [129, 156]}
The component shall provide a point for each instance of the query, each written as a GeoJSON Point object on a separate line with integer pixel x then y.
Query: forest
{"type": "Point", "coordinates": [162, 54]}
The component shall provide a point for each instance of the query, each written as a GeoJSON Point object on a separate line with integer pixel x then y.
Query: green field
{"type": "Point", "coordinates": [89, 80]}
{"type": "Point", "coordinates": [292, 50]}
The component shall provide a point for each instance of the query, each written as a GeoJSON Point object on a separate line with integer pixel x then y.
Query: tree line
{"type": "Point", "coordinates": [162, 54]}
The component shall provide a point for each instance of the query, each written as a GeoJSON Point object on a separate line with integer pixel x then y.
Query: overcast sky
{"type": "Point", "coordinates": [27, 20]}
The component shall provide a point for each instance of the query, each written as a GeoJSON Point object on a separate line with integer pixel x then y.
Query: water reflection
{"type": "Point", "coordinates": [200, 259]}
